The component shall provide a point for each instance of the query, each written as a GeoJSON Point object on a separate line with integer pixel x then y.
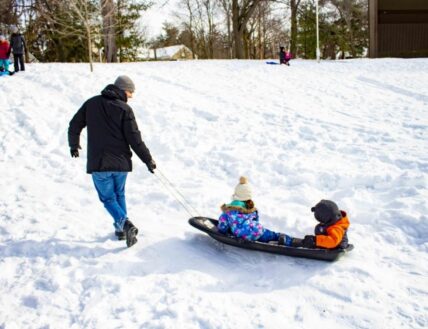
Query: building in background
{"type": "Point", "coordinates": [398, 28]}
{"type": "Point", "coordinates": [172, 53]}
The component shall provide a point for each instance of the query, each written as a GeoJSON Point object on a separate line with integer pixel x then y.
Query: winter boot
{"type": "Point", "coordinates": [284, 240]}
{"type": "Point", "coordinates": [130, 233]}
{"type": "Point", "coordinates": [120, 235]}
{"type": "Point", "coordinates": [296, 242]}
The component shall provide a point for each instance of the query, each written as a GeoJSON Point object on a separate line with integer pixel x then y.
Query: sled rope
{"type": "Point", "coordinates": [178, 196]}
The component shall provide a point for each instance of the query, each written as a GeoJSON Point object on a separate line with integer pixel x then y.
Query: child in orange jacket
{"type": "Point", "coordinates": [330, 233]}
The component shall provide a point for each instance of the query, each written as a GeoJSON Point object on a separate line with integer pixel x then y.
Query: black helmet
{"type": "Point", "coordinates": [326, 212]}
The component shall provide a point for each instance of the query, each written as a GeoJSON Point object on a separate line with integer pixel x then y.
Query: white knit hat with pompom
{"type": "Point", "coordinates": [242, 190]}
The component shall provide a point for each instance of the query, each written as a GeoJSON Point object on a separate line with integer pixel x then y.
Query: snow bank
{"type": "Point", "coordinates": [354, 131]}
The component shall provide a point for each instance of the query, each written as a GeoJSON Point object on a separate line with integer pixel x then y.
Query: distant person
{"type": "Point", "coordinates": [112, 133]}
{"type": "Point", "coordinates": [17, 44]}
{"type": "Point", "coordinates": [331, 232]}
{"type": "Point", "coordinates": [284, 56]}
{"type": "Point", "coordinates": [4, 56]}
{"type": "Point", "coordinates": [241, 219]}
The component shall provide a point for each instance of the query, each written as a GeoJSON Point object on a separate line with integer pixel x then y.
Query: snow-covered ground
{"type": "Point", "coordinates": [353, 131]}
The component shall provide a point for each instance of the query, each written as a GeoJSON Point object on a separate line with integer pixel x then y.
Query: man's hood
{"type": "Point", "coordinates": [113, 92]}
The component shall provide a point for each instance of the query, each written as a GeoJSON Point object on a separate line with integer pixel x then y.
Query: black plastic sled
{"type": "Point", "coordinates": [209, 226]}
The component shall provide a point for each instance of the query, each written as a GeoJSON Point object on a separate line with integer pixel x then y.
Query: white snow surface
{"type": "Point", "coordinates": [353, 131]}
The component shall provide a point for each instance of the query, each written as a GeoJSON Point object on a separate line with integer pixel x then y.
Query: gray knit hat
{"type": "Point", "coordinates": [326, 212]}
{"type": "Point", "coordinates": [125, 83]}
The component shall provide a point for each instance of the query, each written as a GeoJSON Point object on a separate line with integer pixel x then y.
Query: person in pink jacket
{"type": "Point", "coordinates": [284, 56]}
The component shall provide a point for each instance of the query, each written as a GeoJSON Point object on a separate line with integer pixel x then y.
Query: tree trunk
{"type": "Point", "coordinates": [89, 37]}
{"type": "Point", "coordinates": [238, 34]}
{"type": "Point", "coordinates": [261, 33]}
{"type": "Point", "coordinates": [238, 37]}
{"type": "Point", "coordinates": [294, 5]}
{"type": "Point", "coordinates": [109, 30]}
{"type": "Point", "coordinates": [240, 17]}
{"type": "Point", "coordinates": [191, 35]}
{"type": "Point", "coordinates": [227, 10]}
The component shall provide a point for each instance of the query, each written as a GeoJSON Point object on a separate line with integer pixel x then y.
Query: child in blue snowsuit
{"type": "Point", "coordinates": [241, 219]}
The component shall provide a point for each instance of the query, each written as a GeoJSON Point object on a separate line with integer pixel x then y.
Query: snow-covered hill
{"type": "Point", "coordinates": [352, 131]}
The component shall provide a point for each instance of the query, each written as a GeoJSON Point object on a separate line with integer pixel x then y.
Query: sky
{"type": "Point", "coordinates": [155, 16]}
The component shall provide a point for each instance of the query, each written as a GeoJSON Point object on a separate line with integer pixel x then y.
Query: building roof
{"type": "Point", "coordinates": [162, 53]}
{"type": "Point", "coordinates": [170, 51]}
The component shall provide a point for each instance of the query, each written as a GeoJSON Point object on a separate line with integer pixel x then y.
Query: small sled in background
{"type": "Point", "coordinates": [209, 226]}
{"type": "Point", "coordinates": [272, 63]}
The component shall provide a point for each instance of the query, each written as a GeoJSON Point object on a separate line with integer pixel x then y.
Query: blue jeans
{"type": "Point", "coordinates": [110, 186]}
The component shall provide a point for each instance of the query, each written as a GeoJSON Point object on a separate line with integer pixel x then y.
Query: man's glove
{"type": "Point", "coordinates": [309, 241]}
{"type": "Point", "coordinates": [75, 152]}
{"type": "Point", "coordinates": [151, 166]}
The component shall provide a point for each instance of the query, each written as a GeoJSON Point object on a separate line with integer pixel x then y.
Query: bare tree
{"type": "Point", "coordinates": [210, 8]}
{"type": "Point", "coordinates": [227, 9]}
{"type": "Point", "coordinates": [242, 11]}
{"type": "Point", "coordinates": [294, 11]}
{"type": "Point", "coordinates": [294, 7]}
{"type": "Point", "coordinates": [190, 27]}
{"type": "Point", "coordinates": [59, 16]}
{"type": "Point", "coordinates": [200, 31]}
{"type": "Point", "coordinates": [263, 26]}
{"type": "Point", "coordinates": [200, 26]}
{"type": "Point", "coordinates": [76, 18]}
{"type": "Point", "coordinates": [265, 31]}
{"type": "Point", "coordinates": [189, 24]}
{"type": "Point", "coordinates": [8, 13]}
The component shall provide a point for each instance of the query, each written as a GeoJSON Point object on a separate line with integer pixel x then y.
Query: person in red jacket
{"type": "Point", "coordinates": [4, 55]}
{"type": "Point", "coordinates": [331, 232]}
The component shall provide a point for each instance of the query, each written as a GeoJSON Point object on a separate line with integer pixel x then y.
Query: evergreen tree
{"type": "Point", "coordinates": [342, 26]}
{"type": "Point", "coordinates": [66, 30]}
{"type": "Point", "coordinates": [130, 37]}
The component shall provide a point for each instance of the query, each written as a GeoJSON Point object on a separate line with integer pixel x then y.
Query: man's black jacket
{"type": "Point", "coordinates": [17, 44]}
{"type": "Point", "coordinates": [112, 130]}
